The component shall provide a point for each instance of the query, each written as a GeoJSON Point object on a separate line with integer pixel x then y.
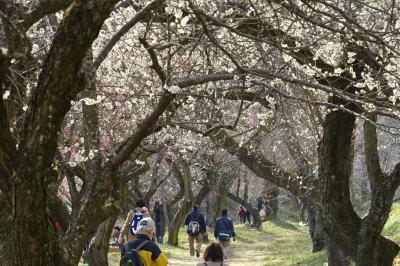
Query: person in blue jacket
{"type": "Point", "coordinates": [224, 231]}
{"type": "Point", "coordinates": [196, 228]}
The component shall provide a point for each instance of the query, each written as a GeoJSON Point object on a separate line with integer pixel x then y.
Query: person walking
{"type": "Point", "coordinates": [247, 216]}
{"type": "Point", "coordinates": [224, 231]}
{"type": "Point", "coordinates": [241, 213]}
{"type": "Point", "coordinates": [213, 255]}
{"type": "Point", "coordinates": [196, 228]}
{"type": "Point", "coordinates": [132, 220]}
{"type": "Point", "coordinates": [159, 218]}
{"type": "Point", "coordinates": [147, 251]}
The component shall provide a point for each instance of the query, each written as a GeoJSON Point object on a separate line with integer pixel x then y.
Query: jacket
{"type": "Point", "coordinates": [200, 218]}
{"type": "Point", "coordinates": [150, 253]}
{"type": "Point", "coordinates": [224, 224]}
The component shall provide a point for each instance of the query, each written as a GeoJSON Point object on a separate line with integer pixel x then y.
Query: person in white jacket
{"type": "Point", "coordinates": [213, 256]}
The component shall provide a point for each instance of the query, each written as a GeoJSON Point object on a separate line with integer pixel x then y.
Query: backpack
{"type": "Point", "coordinates": [137, 217]}
{"type": "Point", "coordinates": [223, 235]}
{"type": "Point", "coordinates": [131, 257]}
{"type": "Point", "coordinates": [193, 228]}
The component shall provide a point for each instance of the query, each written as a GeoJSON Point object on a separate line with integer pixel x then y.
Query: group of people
{"type": "Point", "coordinates": [244, 215]}
{"type": "Point", "coordinates": [196, 230]}
{"type": "Point", "coordinates": [144, 230]}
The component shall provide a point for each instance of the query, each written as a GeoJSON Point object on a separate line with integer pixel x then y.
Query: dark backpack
{"type": "Point", "coordinates": [224, 234]}
{"type": "Point", "coordinates": [131, 256]}
{"type": "Point", "coordinates": [137, 217]}
{"type": "Point", "coordinates": [193, 228]}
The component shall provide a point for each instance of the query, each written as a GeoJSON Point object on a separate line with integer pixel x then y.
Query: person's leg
{"type": "Point", "coordinates": [224, 245]}
{"type": "Point", "coordinates": [158, 231]}
{"type": "Point", "coordinates": [191, 245]}
{"type": "Point", "coordinates": [199, 241]}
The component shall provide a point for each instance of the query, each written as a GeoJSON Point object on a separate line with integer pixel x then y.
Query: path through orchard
{"type": "Point", "coordinates": [278, 243]}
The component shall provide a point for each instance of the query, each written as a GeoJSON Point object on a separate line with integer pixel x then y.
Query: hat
{"type": "Point", "coordinates": [195, 207]}
{"type": "Point", "coordinates": [145, 225]}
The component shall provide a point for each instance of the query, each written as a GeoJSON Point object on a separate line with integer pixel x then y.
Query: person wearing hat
{"type": "Point", "coordinates": [196, 228]}
{"type": "Point", "coordinates": [149, 252]}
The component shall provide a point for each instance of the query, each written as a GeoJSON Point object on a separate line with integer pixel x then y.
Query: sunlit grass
{"type": "Point", "coordinates": [392, 227]}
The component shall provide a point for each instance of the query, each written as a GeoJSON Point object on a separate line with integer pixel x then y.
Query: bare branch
{"type": "Point", "coordinates": [371, 153]}
{"type": "Point", "coordinates": [156, 65]}
{"type": "Point", "coordinates": [146, 127]}
{"type": "Point", "coordinates": [124, 29]}
{"type": "Point", "coordinates": [44, 8]}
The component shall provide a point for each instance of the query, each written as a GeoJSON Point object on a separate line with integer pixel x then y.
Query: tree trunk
{"type": "Point", "coordinates": [32, 239]}
{"type": "Point", "coordinates": [183, 172]}
{"type": "Point", "coordinates": [315, 225]}
{"type": "Point", "coordinates": [239, 180]}
{"type": "Point", "coordinates": [369, 248]}
{"type": "Point", "coordinates": [220, 199]}
{"type": "Point", "coordinates": [246, 188]}
{"type": "Point", "coordinates": [175, 224]}
{"type": "Point", "coordinates": [340, 221]}
{"type": "Point", "coordinates": [98, 255]}
{"type": "Point", "coordinates": [271, 201]}
{"type": "Point", "coordinates": [335, 256]}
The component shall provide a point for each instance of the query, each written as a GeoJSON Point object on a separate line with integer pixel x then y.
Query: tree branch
{"type": "Point", "coordinates": [44, 8]}
{"type": "Point", "coordinates": [146, 127]}
{"type": "Point", "coordinates": [59, 81]}
{"type": "Point", "coordinates": [124, 29]}
{"type": "Point", "coordinates": [371, 152]}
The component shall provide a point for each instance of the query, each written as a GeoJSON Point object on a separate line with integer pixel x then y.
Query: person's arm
{"type": "Point", "coordinates": [203, 224]}
{"type": "Point", "coordinates": [187, 219]}
{"type": "Point", "coordinates": [125, 227]}
{"type": "Point", "coordinates": [233, 231]}
{"type": "Point", "coordinates": [216, 229]}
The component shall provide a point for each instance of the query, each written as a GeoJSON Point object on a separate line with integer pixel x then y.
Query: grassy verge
{"type": "Point", "coordinates": [392, 227]}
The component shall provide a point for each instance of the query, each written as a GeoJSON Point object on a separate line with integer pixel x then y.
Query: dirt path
{"type": "Point", "coordinates": [239, 253]}
{"type": "Point", "coordinates": [244, 251]}
{"type": "Point", "coordinates": [280, 243]}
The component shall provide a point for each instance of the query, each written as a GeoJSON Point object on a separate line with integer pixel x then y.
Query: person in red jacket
{"type": "Point", "coordinates": [242, 215]}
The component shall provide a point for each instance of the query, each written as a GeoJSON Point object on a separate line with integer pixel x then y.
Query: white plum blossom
{"type": "Point", "coordinates": [6, 94]}
{"type": "Point", "coordinates": [173, 89]}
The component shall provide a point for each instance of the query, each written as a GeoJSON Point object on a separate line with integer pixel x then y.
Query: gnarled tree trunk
{"type": "Point", "coordinates": [183, 173]}
{"type": "Point", "coordinates": [98, 255]}
{"type": "Point", "coordinates": [340, 221]}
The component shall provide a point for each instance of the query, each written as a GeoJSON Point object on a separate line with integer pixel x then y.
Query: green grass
{"type": "Point", "coordinates": [392, 227]}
